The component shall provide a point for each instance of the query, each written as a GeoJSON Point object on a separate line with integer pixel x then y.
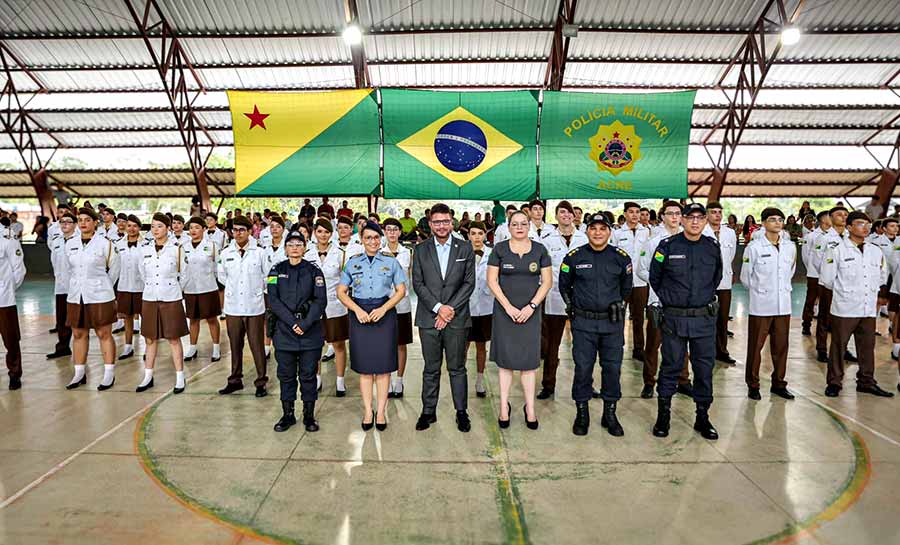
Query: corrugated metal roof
{"type": "Point", "coordinates": [460, 74]}
{"type": "Point", "coordinates": [482, 45]}
{"type": "Point", "coordinates": [405, 14]}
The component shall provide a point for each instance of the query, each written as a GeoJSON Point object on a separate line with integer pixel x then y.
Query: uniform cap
{"type": "Point", "coordinates": [345, 220]}
{"type": "Point", "coordinates": [295, 235]}
{"type": "Point", "coordinates": [886, 221]}
{"type": "Point", "coordinates": [178, 217]}
{"type": "Point", "coordinates": [857, 215]}
{"type": "Point", "coordinates": [372, 226]}
{"type": "Point", "coordinates": [599, 217]}
{"type": "Point", "coordinates": [715, 205]}
{"type": "Point", "coordinates": [771, 211]}
{"type": "Point", "coordinates": [277, 219]}
{"type": "Point", "coordinates": [198, 221]}
{"type": "Point", "coordinates": [88, 212]}
{"type": "Point", "coordinates": [163, 219]}
{"type": "Point", "coordinates": [134, 219]}
{"type": "Point", "coordinates": [837, 209]}
{"type": "Point", "coordinates": [694, 208]}
{"type": "Point", "coordinates": [325, 224]}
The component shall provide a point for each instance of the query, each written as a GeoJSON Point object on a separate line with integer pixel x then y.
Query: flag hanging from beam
{"type": "Point", "coordinates": [448, 145]}
{"type": "Point", "coordinates": [614, 146]}
{"type": "Point", "coordinates": [323, 143]}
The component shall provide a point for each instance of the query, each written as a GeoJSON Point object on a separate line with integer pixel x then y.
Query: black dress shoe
{"type": "Point", "coordinates": [482, 393]}
{"type": "Point", "coordinates": [637, 355]}
{"type": "Point", "coordinates": [104, 387]}
{"type": "Point", "coordinates": [59, 354]}
{"type": "Point", "coordinates": [850, 357]}
{"type": "Point", "coordinates": [145, 387]}
{"type": "Point", "coordinates": [230, 388]}
{"type": "Point", "coordinates": [545, 394]}
{"type": "Point", "coordinates": [753, 393]}
{"type": "Point", "coordinates": [261, 391]}
{"type": "Point", "coordinates": [893, 357]}
{"type": "Point", "coordinates": [215, 359]}
{"type": "Point", "coordinates": [875, 390]}
{"type": "Point", "coordinates": [126, 356]}
{"type": "Point", "coordinates": [53, 330]}
{"type": "Point", "coordinates": [328, 358]}
{"type": "Point", "coordinates": [725, 358]}
{"type": "Point", "coordinates": [342, 393]}
{"type": "Point", "coordinates": [367, 427]}
{"type": "Point", "coordinates": [806, 332]}
{"type": "Point", "coordinates": [647, 391]}
{"type": "Point", "coordinates": [73, 385]}
{"type": "Point", "coordinates": [505, 423]}
{"type": "Point", "coordinates": [425, 420]}
{"type": "Point", "coordinates": [822, 356]}
{"type": "Point", "coordinates": [382, 426]}
{"type": "Point", "coordinates": [595, 394]}
{"type": "Point", "coordinates": [832, 390]}
{"type": "Point", "coordinates": [782, 392]}
{"type": "Point", "coordinates": [16, 382]}
{"type": "Point", "coordinates": [729, 333]}
{"type": "Point", "coordinates": [686, 390]}
{"type": "Point", "coordinates": [191, 358]}
{"type": "Point", "coordinates": [532, 425]}
{"type": "Point", "coordinates": [177, 390]}
{"type": "Point", "coordinates": [463, 423]}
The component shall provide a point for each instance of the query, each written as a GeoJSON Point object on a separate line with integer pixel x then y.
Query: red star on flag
{"type": "Point", "coordinates": [615, 134]}
{"type": "Point", "coordinates": [256, 118]}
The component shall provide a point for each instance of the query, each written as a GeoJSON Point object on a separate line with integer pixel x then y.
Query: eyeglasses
{"type": "Point", "coordinates": [695, 219]}
{"type": "Point", "coordinates": [775, 219]}
{"type": "Point", "coordinates": [441, 222]}
{"type": "Point", "coordinates": [672, 214]}
{"type": "Point", "coordinates": [239, 229]}
{"type": "Point", "coordinates": [370, 238]}
{"type": "Point", "coordinates": [67, 222]}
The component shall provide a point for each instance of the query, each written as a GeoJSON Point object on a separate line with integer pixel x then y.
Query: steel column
{"type": "Point", "coordinates": [559, 50]}
{"type": "Point", "coordinates": [357, 52]}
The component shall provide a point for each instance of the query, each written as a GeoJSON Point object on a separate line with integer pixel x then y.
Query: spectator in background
{"type": "Point", "coordinates": [40, 229]}
{"type": "Point", "coordinates": [805, 209]}
{"type": "Point", "coordinates": [345, 210]}
{"type": "Point", "coordinates": [749, 227]}
{"type": "Point", "coordinates": [874, 209]}
{"type": "Point", "coordinates": [287, 222]}
{"type": "Point", "coordinates": [793, 228]}
{"type": "Point", "coordinates": [896, 213]}
{"type": "Point", "coordinates": [653, 220]}
{"type": "Point", "coordinates": [307, 211]}
{"type": "Point", "coordinates": [579, 214]}
{"type": "Point", "coordinates": [423, 226]}
{"type": "Point", "coordinates": [733, 224]}
{"type": "Point", "coordinates": [325, 208]}
{"type": "Point", "coordinates": [644, 217]}
{"type": "Point", "coordinates": [454, 220]}
{"type": "Point", "coordinates": [63, 197]}
{"type": "Point", "coordinates": [464, 225]}
{"type": "Point", "coordinates": [498, 212]}
{"type": "Point", "coordinates": [809, 224]}
{"type": "Point", "coordinates": [15, 227]}
{"type": "Point", "coordinates": [407, 226]}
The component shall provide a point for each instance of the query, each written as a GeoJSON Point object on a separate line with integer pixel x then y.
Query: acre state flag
{"type": "Point", "coordinates": [449, 145]}
{"type": "Point", "coordinates": [323, 143]}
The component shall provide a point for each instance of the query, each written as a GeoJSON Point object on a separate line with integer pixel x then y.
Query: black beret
{"type": "Point", "coordinates": [178, 217]}
{"type": "Point", "coordinates": [394, 222]}
{"type": "Point", "coordinates": [199, 221]}
{"type": "Point", "coordinates": [88, 212]}
{"type": "Point", "coordinates": [771, 211]}
{"type": "Point", "coordinates": [242, 221]}
{"type": "Point", "coordinates": [278, 220]}
{"type": "Point", "coordinates": [837, 209]}
{"type": "Point", "coordinates": [631, 204]}
{"type": "Point", "coordinates": [345, 220]}
{"type": "Point", "coordinates": [325, 224]}
{"type": "Point", "coordinates": [477, 225]}
{"type": "Point", "coordinates": [211, 215]}
{"type": "Point", "coordinates": [68, 214]}
{"type": "Point", "coordinates": [667, 204]}
{"type": "Point", "coordinates": [122, 216]}
{"type": "Point", "coordinates": [886, 221]}
{"type": "Point", "coordinates": [857, 215]}
{"type": "Point", "coordinates": [109, 210]}
{"type": "Point", "coordinates": [134, 219]}
{"type": "Point", "coordinates": [822, 214]}
{"type": "Point", "coordinates": [372, 226]}
{"type": "Point", "coordinates": [163, 219]}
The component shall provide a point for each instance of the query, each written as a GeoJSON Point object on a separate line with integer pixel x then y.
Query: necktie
{"type": "Point", "coordinates": [241, 251]}
{"type": "Point", "coordinates": [479, 253]}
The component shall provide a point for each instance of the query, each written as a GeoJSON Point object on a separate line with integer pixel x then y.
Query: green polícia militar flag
{"type": "Point", "coordinates": [614, 146]}
{"type": "Point", "coordinates": [449, 145]}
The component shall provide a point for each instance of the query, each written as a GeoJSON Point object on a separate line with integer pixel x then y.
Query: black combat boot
{"type": "Point", "coordinates": [609, 420]}
{"type": "Point", "coordinates": [309, 419]}
{"type": "Point", "coordinates": [582, 419]}
{"type": "Point", "coordinates": [287, 419]}
{"type": "Point", "coordinates": [703, 425]}
{"type": "Point", "coordinates": [663, 416]}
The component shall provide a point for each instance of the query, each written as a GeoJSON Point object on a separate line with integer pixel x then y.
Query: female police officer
{"type": "Point", "coordinates": [373, 333]}
{"type": "Point", "coordinates": [296, 290]}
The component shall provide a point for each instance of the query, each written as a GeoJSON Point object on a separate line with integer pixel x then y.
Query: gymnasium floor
{"type": "Point", "coordinates": [118, 467]}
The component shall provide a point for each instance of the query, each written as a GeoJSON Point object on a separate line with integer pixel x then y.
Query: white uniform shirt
{"type": "Point", "coordinates": [727, 240]}
{"type": "Point", "coordinates": [161, 271]}
{"type": "Point", "coordinates": [93, 268]}
{"type": "Point", "coordinates": [12, 271]}
{"type": "Point", "coordinates": [331, 265]}
{"type": "Point", "coordinates": [199, 270]}
{"type": "Point", "coordinates": [632, 242]}
{"type": "Point", "coordinates": [244, 279]}
{"type": "Point", "coordinates": [766, 272]}
{"type": "Point", "coordinates": [275, 255]}
{"type": "Point", "coordinates": [111, 232]}
{"type": "Point", "coordinates": [265, 237]}
{"type": "Point", "coordinates": [60, 264]}
{"type": "Point", "coordinates": [828, 239]}
{"type": "Point", "coordinates": [404, 258]}
{"type": "Point", "coordinates": [501, 233]}
{"type": "Point", "coordinates": [129, 273]}
{"type": "Point", "coordinates": [808, 249]}
{"type": "Point", "coordinates": [218, 236]}
{"type": "Point", "coordinates": [481, 302]}
{"type": "Point", "coordinates": [557, 248]}
{"type": "Point", "coordinates": [854, 278]}
{"type": "Point", "coordinates": [16, 230]}
{"type": "Point", "coordinates": [886, 245]}
{"type": "Point", "coordinates": [647, 254]}
{"type": "Point", "coordinates": [548, 231]}
{"type": "Point", "coordinates": [182, 239]}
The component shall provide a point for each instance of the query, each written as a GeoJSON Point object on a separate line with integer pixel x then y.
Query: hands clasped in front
{"type": "Point", "coordinates": [370, 317]}
{"type": "Point", "coordinates": [519, 315]}
{"type": "Point", "coordinates": [445, 315]}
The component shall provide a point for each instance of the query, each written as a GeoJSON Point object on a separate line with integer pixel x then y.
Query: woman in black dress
{"type": "Point", "coordinates": [519, 275]}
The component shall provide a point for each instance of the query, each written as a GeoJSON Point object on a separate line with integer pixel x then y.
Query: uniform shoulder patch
{"type": "Point", "coordinates": [659, 256]}
{"type": "Point", "coordinates": [564, 267]}
{"type": "Point", "coordinates": [622, 252]}
{"type": "Point", "coordinates": [575, 251]}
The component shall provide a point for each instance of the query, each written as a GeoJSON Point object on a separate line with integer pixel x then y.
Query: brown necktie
{"type": "Point", "coordinates": [479, 253]}
{"type": "Point", "coordinates": [241, 252]}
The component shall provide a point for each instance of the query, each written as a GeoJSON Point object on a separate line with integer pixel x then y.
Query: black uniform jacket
{"type": "Point", "coordinates": [297, 296]}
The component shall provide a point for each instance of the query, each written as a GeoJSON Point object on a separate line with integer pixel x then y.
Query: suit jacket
{"type": "Point", "coordinates": [453, 290]}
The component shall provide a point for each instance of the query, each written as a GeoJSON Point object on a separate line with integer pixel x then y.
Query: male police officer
{"type": "Point", "coordinates": [297, 297]}
{"type": "Point", "coordinates": [594, 281]}
{"type": "Point", "coordinates": [685, 271]}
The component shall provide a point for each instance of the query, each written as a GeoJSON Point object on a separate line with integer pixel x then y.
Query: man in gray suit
{"type": "Point", "coordinates": [443, 275]}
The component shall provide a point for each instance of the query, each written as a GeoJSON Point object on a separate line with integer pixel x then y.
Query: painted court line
{"type": "Point", "coordinates": [58, 467]}
{"type": "Point", "coordinates": [811, 398]}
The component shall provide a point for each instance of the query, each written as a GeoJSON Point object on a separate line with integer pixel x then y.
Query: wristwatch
{"type": "Point", "coordinates": [533, 306]}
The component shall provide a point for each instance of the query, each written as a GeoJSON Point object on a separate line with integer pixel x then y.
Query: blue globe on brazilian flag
{"type": "Point", "coordinates": [445, 145]}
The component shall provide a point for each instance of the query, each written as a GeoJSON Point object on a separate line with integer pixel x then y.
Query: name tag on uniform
{"type": "Point", "coordinates": [849, 259]}
{"type": "Point", "coordinates": [584, 266]}
{"type": "Point", "coordinates": [508, 266]}
{"type": "Point", "coordinates": [230, 259]}
{"type": "Point", "coordinates": [766, 255]}
{"type": "Point", "coordinates": [682, 256]}
{"type": "Point", "coordinates": [282, 276]}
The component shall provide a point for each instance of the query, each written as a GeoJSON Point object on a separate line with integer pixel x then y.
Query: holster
{"type": "Point", "coordinates": [617, 312]}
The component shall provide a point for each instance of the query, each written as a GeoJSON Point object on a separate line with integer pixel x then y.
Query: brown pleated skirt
{"type": "Point", "coordinates": [337, 329]}
{"type": "Point", "coordinates": [90, 315]}
{"type": "Point", "coordinates": [129, 303]}
{"type": "Point", "coordinates": [163, 320]}
{"type": "Point", "coordinates": [404, 329]}
{"type": "Point", "coordinates": [202, 306]}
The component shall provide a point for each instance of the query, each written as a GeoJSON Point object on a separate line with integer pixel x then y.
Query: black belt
{"type": "Point", "coordinates": [687, 312]}
{"type": "Point", "coordinates": [590, 315]}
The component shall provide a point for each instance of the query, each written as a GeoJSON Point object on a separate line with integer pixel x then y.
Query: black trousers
{"type": "Point", "coordinates": [63, 331]}
{"type": "Point", "coordinates": [435, 345]}
{"type": "Point", "coordinates": [698, 333]}
{"type": "Point", "coordinates": [293, 364]}
{"type": "Point", "coordinates": [586, 346]}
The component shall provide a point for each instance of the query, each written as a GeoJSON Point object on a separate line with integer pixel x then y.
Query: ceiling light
{"type": "Point", "coordinates": [790, 35]}
{"type": "Point", "coordinates": [352, 35]}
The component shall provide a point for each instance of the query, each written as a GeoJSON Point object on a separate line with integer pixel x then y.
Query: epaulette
{"type": "Point", "coordinates": [622, 252]}
{"type": "Point", "coordinates": [573, 252]}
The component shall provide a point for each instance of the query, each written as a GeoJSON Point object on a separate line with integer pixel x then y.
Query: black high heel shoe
{"type": "Point", "coordinates": [145, 387]}
{"type": "Point", "coordinates": [505, 423]}
{"type": "Point", "coordinates": [380, 427]}
{"type": "Point", "coordinates": [73, 385]}
{"type": "Point", "coordinates": [367, 427]}
{"type": "Point", "coordinates": [532, 425]}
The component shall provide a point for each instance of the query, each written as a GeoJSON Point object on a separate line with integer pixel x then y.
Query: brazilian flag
{"type": "Point", "coordinates": [447, 145]}
{"type": "Point", "coordinates": [323, 143]}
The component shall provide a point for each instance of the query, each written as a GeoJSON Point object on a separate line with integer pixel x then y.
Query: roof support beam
{"type": "Point", "coordinates": [753, 63]}
{"type": "Point", "coordinates": [358, 51]}
{"type": "Point", "coordinates": [19, 125]}
{"type": "Point", "coordinates": [559, 49]}
{"type": "Point", "coordinates": [178, 78]}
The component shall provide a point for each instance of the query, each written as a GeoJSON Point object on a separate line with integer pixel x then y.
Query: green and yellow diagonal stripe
{"type": "Point", "coordinates": [305, 143]}
{"type": "Point", "coordinates": [448, 145]}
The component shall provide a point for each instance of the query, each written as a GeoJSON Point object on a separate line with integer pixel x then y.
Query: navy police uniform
{"type": "Point", "coordinates": [594, 284]}
{"type": "Point", "coordinates": [297, 296]}
{"type": "Point", "coordinates": [685, 274]}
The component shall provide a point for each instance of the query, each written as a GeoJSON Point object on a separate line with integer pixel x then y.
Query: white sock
{"type": "Point", "coordinates": [216, 353]}
{"type": "Point", "coordinates": [268, 350]}
{"type": "Point", "coordinates": [329, 351]}
{"type": "Point", "coordinates": [79, 374]}
{"type": "Point", "coordinates": [148, 376]}
{"type": "Point", "coordinates": [127, 349]}
{"type": "Point", "coordinates": [109, 374]}
{"type": "Point", "coordinates": [318, 381]}
{"type": "Point", "coordinates": [179, 379]}
{"type": "Point", "coordinates": [896, 350]}
{"type": "Point", "coordinates": [340, 383]}
{"type": "Point", "coordinates": [119, 323]}
{"type": "Point", "coordinates": [137, 323]}
{"type": "Point", "coordinates": [191, 351]}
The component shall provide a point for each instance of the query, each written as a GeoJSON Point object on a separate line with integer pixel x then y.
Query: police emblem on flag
{"type": "Point", "coordinates": [615, 148]}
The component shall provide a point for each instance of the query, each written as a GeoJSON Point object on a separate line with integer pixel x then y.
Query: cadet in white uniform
{"type": "Point", "coordinates": [220, 239]}
{"type": "Point", "coordinates": [243, 268]}
{"type": "Point", "coordinates": [108, 228]}
{"type": "Point", "coordinates": [130, 287]}
{"type": "Point", "coordinates": [811, 246]}
{"type": "Point", "coordinates": [727, 240]}
{"type": "Point", "coordinates": [12, 275]}
{"type": "Point", "coordinates": [829, 240]}
{"type": "Point", "coordinates": [481, 304]}
{"type": "Point", "coordinates": [538, 230]}
{"type": "Point", "coordinates": [201, 293]}
{"type": "Point", "coordinates": [273, 244]}
{"type": "Point", "coordinates": [560, 242]}
{"type": "Point", "coordinates": [853, 271]}
{"type": "Point", "coordinates": [768, 267]}
{"type": "Point", "coordinates": [163, 309]}
{"type": "Point", "coordinates": [60, 264]}
{"type": "Point", "coordinates": [501, 233]}
{"type": "Point", "coordinates": [392, 248]}
{"type": "Point", "coordinates": [178, 233]}
{"type": "Point", "coordinates": [631, 238]}
{"type": "Point", "coordinates": [94, 268]}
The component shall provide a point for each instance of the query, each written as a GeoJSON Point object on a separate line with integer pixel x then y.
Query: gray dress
{"type": "Point", "coordinates": [517, 346]}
